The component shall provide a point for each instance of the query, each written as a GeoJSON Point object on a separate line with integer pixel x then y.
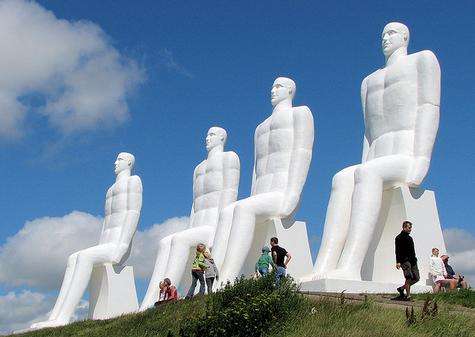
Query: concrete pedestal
{"type": "Point", "coordinates": [292, 236]}
{"type": "Point", "coordinates": [379, 273]}
{"type": "Point", "coordinates": [112, 291]}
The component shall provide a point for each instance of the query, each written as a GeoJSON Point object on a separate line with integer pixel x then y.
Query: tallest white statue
{"type": "Point", "coordinates": [401, 114]}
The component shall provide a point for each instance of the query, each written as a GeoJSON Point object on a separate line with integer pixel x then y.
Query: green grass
{"type": "Point", "coordinates": [254, 308]}
{"type": "Point", "coordinates": [463, 297]}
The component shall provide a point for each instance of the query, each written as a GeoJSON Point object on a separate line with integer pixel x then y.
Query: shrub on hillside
{"type": "Point", "coordinates": [248, 308]}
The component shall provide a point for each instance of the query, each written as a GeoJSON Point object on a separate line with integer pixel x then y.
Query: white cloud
{"type": "Point", "coordinates": [145, 245]}
{"type": "Point", "coordinates": [20, 310]}
{"type": "Point", "coordinates": [81, 78]}
{"type": "Point", "coordinates": [461, 250]}
{"type": "Point", "coordinates": [36, 257]}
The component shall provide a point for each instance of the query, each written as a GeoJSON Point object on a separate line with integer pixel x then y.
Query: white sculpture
{"type": "Point", "coordinates": [401, 113]}
{"type": "Point", "coordinates": [122, 213]}
{"type": "Point", "coordinates": [283, 151]}
{"type": "Point", "coordinates": [215, 185]}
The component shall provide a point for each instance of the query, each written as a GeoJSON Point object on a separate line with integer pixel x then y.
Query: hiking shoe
{"type": "Point", "coordinates": [400, 290]}
{"type": "Point", "coordinates": [399, 298]}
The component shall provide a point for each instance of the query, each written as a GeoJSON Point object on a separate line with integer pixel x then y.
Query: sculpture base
{"type": "Point", "coordinates": [292, 236]}
{"type": "Point", "coordinates": [358, 287]}
{"type": "Point", "coordinates": [112, 291]}
{"type": "Point", "coordinates": [379, 273]}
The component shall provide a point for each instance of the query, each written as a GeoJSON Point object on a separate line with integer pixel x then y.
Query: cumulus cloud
{"type": "Point", "coordinates": [81, 80]}
{"type": "Point", "coordinates": [36, 257]}
{"type": "Point", "coordinates": [145, 246]}
{"type": "Point", "coordinates": [461, 249]}
{"type": "Point", "coordinates": [20, 310]}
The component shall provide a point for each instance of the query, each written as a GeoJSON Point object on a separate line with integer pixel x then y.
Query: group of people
{"type": "Point", "coordinates": [441, 272]}
{"type": "Point", "coordinates": [204, 271]}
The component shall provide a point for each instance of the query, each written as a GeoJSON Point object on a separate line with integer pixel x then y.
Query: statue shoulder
{"type": "Point", "coordinates": [135, 183]}
{"type": "Point", "coordinates": [303, 112]}
{"type": "Point", "coordinates": [426, 58]}
{"type": "Point", "coordinates": [231, 158]}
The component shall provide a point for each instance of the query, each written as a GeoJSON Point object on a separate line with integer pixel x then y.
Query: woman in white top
{"type": "Point", "coordinates": [438, 272]}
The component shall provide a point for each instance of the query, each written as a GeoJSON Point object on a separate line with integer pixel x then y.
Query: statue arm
{"type": "Point", "coordinates": [301, 158]}
{"type": "Point", "coordinates": [231, 172]}
{"type": "Point", "coordinates": [134, 205]}
{"type": "Point", "coordinates": [364, 90]}
{"type": "Point", "coordinates": [253, 184]}
{"type": "Point", "coordinates": [192, 211]}
{"type": "Point", "coordinates": [427, 119]}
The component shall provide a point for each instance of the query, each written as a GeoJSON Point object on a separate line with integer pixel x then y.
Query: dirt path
{"type": "Point", "coordinates": [383, 300]}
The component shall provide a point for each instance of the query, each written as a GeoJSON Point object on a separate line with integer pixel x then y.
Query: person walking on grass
{"type": "Point", "coordinates": [211, 272]}
{"type": "Point", "coordinates": [262, 265]}
{"type": "Point", "coordinates": [406, 260]}
{"type": "Point", "coordinates": [197, 271]}
{"type": "Point", "coordinates": [279, 254]}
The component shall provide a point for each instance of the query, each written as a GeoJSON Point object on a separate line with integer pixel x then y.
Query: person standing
{"type": "Point", "coordinates": [279, 254]}
{"type": "Point", "coordinates": [211, 272]}
{"type": "Point", "coordinates": [262, 265]}
{"type": "Point", "coordinates": [406, 260]}
{"type": "Point", "coordinates": [197, 271]}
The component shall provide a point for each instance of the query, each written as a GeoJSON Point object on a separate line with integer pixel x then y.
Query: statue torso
{"type": "Point", "coordinates": [207, 188]}
{"type": "Point", "coordinates": [115, 211]}
{"type": "Point", "coordinates": [391, 108]}
{"type": "Point", "coordinates": [273, 146]}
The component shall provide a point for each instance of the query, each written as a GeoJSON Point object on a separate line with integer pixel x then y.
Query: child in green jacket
{"type": "Point", "coordinates": [197, 271]}
{"type": "Point", "coordinates": [262, 265]}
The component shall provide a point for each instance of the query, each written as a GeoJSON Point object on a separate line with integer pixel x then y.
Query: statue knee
{"type": "Point", "coordinates": [341, 179]}
{"type": "Point", "coordinates": [166, 241]}
{"type": "Point", "coordinates": [72, 259]}
{"type": "Point", "coordinates": [363, 174]}
{"type": "Point", "coordinates": [177, 242]}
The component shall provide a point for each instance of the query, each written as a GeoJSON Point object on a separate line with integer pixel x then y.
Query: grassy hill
{"type": "Point", "coordinates": [254, 308]}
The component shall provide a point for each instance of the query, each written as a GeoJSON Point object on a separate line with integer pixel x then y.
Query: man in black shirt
{"type": "Point", "coordinates": [279, 254]}
{"type": "Point", "coordinates": [406, 260]}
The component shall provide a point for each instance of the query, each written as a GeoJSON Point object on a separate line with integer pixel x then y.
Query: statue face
{"type": "Point", "coordinates": [279, 92]}
{"type": "Point", "coordinates": [213, 139]}
{"type": "Point", "coordinates": [121, 163]}
{"type": "Point", "coordinates": [392, 39]}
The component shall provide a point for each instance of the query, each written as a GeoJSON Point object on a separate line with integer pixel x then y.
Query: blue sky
{"type": "Point", "coordinates": [213, 63]}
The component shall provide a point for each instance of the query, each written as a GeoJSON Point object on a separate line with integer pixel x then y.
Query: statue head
{"type": "Point", "coordinates": [216, 136]}
{"type": "Point", "coordinates": [282, 89]}
{"type": "Point", "coordinates": [124, 161]}
{"type": "Point", "coordinates": [395, 35]}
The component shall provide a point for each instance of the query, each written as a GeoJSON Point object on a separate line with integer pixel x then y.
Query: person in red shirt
{"type": "Point", "coordinates": [168, 292]}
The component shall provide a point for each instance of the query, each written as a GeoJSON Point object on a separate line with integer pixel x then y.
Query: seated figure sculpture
{"type": "Point", "coordinates": [401, 113]}
{"type": "Point", "coordinates": [215, 185]}
{"type": "Point", "coordinates": [283, 150]}
{"type": "Point", "coordinates": [122, 213]}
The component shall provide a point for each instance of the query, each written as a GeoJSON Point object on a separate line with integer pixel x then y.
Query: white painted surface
{"type": "Point", "coordinates": [283, 145]}
{"type": "Point", "coordinates": [292, 236]}
{"type": "Point", "coordinates": [112, 291]}
{"type": "Point", "coordinates": [379, 273]}
{"type": "Point", "coordinates": [122, 213]}
{"type": "Point", "coordinates": [215, 186]}
{"type": "Point", "coordinates": [401, 113]}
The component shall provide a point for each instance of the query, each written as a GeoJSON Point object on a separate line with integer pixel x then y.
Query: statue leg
{"type": "Point", "coordinates": [370, 180]}
{"type": "Point", "coordinates": [160, 264]}
{"type": "Point", "coordinates": [70, 267]}
{"type": "Point", "coordinates": [220, 241]}
{"type": "Point", "coordinates": [337, 222]}
{"type": "Point", "coordinates": [80, 277]}
{"type": "Point", "coordinates": [180, 247]}
{"type": "Point", "coordinates": [247, 211]}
